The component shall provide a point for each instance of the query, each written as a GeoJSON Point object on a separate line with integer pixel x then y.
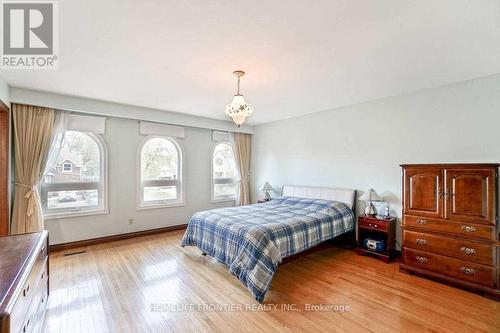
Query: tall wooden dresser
{"type": "Point", "coordinates": [450, 224]}
{"type": "Point", "coordinates": [24, 282]}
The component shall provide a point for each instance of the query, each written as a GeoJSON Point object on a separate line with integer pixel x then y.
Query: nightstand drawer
{"type": "Point", "coordinates": [462, 249]}
{"type": "Point", "coordinates": [373, 224]}
{"type": "Point", "coordinates": [372, 229]}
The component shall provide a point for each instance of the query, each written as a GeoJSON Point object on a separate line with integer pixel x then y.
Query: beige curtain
{"type": "Point", "coordinates": [33, 127]}
{"type": "Point", "coordinates": [242, 147]}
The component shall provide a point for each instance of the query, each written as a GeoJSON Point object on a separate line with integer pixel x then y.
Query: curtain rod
{"type": "Point", "coordinates": [112, 110]}
{"type": "Point", "coordinates": [138, 120]}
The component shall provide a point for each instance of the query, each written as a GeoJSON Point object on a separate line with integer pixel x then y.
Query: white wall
{"type": "Point", "coordinates": [105, 108]}
{"type": "Point", "coordinates": [123, 140]}
{"type": "Point", "coordinates": [362, 146]}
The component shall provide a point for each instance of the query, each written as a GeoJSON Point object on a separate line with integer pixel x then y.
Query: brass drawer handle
{"type": "Point", "coordinates": [373, 225]}
{"type": "Point", "coordinates": [468, 228]}
{"type": "Point", "coordinates": [467, 270]}
{"type": "Point", "coordinates": [421, 259]}
{"type": "Point", "coordinates": [421, 221]}
{"type": "Point", "coordinates": [421, 241]}
{"type": "Point", "coordinates": [468, 250]}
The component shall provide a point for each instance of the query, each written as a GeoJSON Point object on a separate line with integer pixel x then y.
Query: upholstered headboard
{"type": "Point", "coordinates": [344, 195]}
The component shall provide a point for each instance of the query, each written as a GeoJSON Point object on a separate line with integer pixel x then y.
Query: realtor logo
{"type": "Point", "coordinates": [29, 34]}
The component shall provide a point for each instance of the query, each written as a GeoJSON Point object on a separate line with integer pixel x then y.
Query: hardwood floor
{"type": "Point", "coordinates": [123, 286]}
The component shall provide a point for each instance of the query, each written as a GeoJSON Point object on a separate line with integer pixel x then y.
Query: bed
{"type": "Point", "coordinates": [253, 240]}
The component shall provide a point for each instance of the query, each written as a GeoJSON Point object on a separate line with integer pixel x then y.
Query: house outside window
{"type": "Point", "coordinates": [76, 185]}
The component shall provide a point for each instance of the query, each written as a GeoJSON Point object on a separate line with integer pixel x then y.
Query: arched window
{"type": "Point", "coordinates": [76, 185]}
{"type": "Point", "coordinates": [161, 173]}
{"type": "Point", "coordinates": [224, 180]}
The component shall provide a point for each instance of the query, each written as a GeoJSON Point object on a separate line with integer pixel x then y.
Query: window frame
{"type": "Point", "coordinates": [102, 187]}
{"type": "Point", "coordinates": [70, 170]}
{"type": "Point", "coordinates": [213, 181]}
{"type": "Point", "coordinates": [179, 182]}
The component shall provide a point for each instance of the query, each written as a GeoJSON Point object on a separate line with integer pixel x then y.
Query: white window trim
{"type": "Point", "coordinates": [104, 184]}
{"type": "Point", "coordinates": [223, 180]}
{"type": "Point", "coordinates": [165, 203]}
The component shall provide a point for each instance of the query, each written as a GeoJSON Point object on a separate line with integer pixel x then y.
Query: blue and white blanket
{"type": "Point", "coordinates": [252, 240]}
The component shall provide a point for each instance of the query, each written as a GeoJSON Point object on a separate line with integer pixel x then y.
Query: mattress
{"type": "Point", "coordinates": [252, 240]}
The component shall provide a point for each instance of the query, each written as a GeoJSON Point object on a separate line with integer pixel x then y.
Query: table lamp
{"type": "Point", "coordinates": [267, 188]}
{"type": "Point", "coordinates": [369, 197]}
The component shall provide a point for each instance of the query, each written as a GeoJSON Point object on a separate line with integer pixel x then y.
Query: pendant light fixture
{"type": "Point", "coordinates": [239, 110]}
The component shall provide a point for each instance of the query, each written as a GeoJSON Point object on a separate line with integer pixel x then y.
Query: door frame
{"type": "Point", "coordinates": [4, 168]}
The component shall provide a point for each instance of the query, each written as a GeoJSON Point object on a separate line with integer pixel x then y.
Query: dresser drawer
{"type": "Point", "coordinates": [42, 306]}
{"type": "Point", "coordinates": [462, 249]}
{"type": "Point", "coordinates": [24, 311]}
{"type": "Point", "coordinates": [452, 227]}
{"type": "Point", "coordinates": [34, 320]}
{"type": "Point", "coordinates": [460, 269]}
{"type": "Point", "coordinates": [21, 317]}
{"type": "Point", "coordinates": [373, 224]}
{"type": "Point", "coordinates": [29, 286]}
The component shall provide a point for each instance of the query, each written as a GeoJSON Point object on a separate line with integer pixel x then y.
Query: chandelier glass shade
{"type": "Point", "coordinates": [239, 109]}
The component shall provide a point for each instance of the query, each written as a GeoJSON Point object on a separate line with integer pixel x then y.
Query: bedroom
{"type": "Point", "coordinates": [124, 143]}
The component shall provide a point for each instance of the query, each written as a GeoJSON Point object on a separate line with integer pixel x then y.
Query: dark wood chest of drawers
{"type": "Point", "coordinates": [24, 282]}
{"type": "Point", "coordinates": [450, 224]}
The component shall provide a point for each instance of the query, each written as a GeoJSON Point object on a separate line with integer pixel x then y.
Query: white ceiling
{"type": "Point", "coordinates": [300, 56]}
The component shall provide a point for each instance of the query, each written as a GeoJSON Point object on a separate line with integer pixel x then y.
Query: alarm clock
{"type": "Point", "coordinates": [375, 245]}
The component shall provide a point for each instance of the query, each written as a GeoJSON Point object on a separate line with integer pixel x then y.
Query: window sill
{"type": "Point", "coordinates": [223, 200]}
{"type": "Point", "coordinates": [68, 215]}
{"type": "Point", "coordinates": [177, 204]}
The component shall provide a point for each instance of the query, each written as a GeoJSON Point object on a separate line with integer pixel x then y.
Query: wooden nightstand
{"type": "Point", "coordinates": [377, 228]}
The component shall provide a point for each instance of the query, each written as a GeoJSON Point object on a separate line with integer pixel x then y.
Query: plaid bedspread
{"type": "Point", "coordinates": [252, 240]}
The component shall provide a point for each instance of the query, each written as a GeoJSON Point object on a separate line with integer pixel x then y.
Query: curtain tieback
{"type": "Point", "coordinates": [30, 196]}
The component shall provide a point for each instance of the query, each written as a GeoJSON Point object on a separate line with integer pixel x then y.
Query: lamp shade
{"type": "Point", "coordinates": [370, 195]}
{"type": "Point", "coordinates": [239, 110]}
{"type": "Point", "coordinates": [267, 187]}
